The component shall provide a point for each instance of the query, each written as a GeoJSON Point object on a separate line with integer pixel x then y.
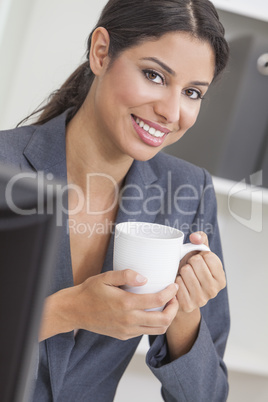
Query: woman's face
{"type": "Point", "coordinates": [151, 94]}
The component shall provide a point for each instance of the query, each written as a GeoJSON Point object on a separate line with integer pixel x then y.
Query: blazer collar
{"type": "Point", "coordinates": [46, 149]}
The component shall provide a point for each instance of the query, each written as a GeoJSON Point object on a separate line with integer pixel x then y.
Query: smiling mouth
{"type": "Point", "coordinates": [146, 127]}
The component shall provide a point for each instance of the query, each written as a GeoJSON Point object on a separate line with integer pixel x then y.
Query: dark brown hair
{"type": "Point", "coordinates": [129, 22]}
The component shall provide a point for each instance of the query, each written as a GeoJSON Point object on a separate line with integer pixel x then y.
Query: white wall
{"type": "Point", "coordinates": [250, 8]}
{"type": "Point", "coordinates": [44, 42]}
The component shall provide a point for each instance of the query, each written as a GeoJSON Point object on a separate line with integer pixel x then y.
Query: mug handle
{"type": "Point", "coordinates": [188, 247]}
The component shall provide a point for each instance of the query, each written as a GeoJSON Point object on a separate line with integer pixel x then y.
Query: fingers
{"type": "Point", "coordinates": [209, 271]}
{"type": "Point", "coordinates": [191, 294]}
{"type": "Point", "coordinates": [139, 301]}
{"type": "Point", "coordinates": [155, 300]}
{"type": "Point", "coordinates": [156, 322]}
{"type": "Point", "coordinates": [200, 280]}
{"type": "Point", "coordinates": [135, 320]}
{"type": "Point", "coordinates": [124, 277]}
{"type": "Point", "coordinates": [195, 238]}
{"type": "Point", "coordinates": [215, 266]}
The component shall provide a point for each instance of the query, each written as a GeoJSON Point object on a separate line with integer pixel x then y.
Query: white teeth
{"type": "Point", "coordinates": [151, 130]}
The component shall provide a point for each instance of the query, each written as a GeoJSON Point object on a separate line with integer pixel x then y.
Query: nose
{"type": "Point", "coordinates": [169, 107]}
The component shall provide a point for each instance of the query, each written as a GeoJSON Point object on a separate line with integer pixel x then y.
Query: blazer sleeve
{"type": "Point", "coordinates": [200, 375]}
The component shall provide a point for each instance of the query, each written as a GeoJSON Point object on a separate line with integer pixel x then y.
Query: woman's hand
{"type": "Point", "coordinates": [99, 305]}
{"type": "Point", "coordinates": [200, 278]}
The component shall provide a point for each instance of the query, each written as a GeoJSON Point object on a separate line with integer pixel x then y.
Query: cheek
{"type": "Point", "coordinates": [189, 115]}
{"type": "Point", "coordinates": [132, 94]}
{"type": "Point", "coordinates": [128, 88]}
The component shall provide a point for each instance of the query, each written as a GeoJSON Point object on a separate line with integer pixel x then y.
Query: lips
{"type": "Point", "coordinates": [150, 133]}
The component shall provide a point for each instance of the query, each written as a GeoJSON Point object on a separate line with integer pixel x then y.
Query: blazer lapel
{"type": "Point", "coordinates": [46, 149]}
{"type": "Point", "coordinates": [141, 201]}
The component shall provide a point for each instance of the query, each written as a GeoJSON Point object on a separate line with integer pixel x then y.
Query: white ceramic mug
{"type": "Point", "coordinates": [152, 250]}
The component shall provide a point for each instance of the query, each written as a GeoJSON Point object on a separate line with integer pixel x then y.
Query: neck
{"type": "Point", "coordinates": [90, 160]}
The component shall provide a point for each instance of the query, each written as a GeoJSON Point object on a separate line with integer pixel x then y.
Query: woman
{"type": "Point", "coordinates": [149, 65]}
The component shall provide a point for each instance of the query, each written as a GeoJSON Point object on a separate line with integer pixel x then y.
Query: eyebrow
{"type": "Point", "coordinates": [201, 83]}
{"type": "Point", "coordinates": [161, 64]}
{"type": "Point", "coordinates": [172, 72]}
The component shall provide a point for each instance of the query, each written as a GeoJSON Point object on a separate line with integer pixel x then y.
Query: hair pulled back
{"type": "Point", "coordinates": [129, 22]}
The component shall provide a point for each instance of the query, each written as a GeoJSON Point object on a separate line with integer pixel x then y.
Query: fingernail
{"type": "Point", "coordinates": [140, 278]}
{"type": "Point", "coordinates": [177, 286]}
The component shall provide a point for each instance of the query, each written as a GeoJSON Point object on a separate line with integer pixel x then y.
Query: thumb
{"type": "Point", "coordinates": [199, 238]}
{"type": "Point", "coordinates": [125, 277]}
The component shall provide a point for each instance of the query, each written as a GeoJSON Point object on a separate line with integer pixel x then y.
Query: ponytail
{"type": "Point", "coordinates": [70, 95]}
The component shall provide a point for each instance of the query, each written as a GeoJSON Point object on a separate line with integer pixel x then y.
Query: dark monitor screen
{"type": "Point", "coordinates": [28, 237]}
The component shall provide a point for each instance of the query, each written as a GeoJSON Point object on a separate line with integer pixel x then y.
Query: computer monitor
{"type": "Point", "coordinates": [28, 240]}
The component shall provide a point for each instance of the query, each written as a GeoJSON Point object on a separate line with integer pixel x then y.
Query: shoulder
{"type": "Point", "coordinates": [37, 146]}
{"type": "Point", "coordinates": [13, 142]}
{"type": "Point", "coordinates": [175, 169]}
{"type": "Point", "coordinates": [17, 133]}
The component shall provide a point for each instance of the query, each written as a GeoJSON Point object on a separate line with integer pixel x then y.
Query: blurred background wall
{"type": "Point", "coordinates": [41, 43]}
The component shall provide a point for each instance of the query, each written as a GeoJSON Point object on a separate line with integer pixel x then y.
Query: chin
{"type": "Point", "coordinates": [144, 156]}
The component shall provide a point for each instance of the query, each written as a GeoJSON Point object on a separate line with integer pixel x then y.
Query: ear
{"type": "Point", "coordinates": [98, 56]}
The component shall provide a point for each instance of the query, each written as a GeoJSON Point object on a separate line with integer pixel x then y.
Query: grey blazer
{"type": "Point", "coordinates": [89, 366]}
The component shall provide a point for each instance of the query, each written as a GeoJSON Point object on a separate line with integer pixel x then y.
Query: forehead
{"type": "Point", "coordinates": [180, 51]}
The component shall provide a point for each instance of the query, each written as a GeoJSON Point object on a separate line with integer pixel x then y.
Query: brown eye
{"type": "Point", "coordinates": [189, 92]}
{"type": "Point", "coordinates": [153, 76]}
{"type": "Point", "coordinates": [193, 94]}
